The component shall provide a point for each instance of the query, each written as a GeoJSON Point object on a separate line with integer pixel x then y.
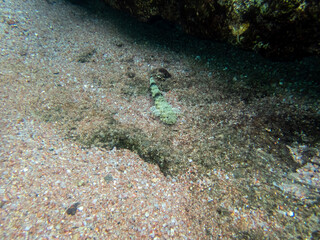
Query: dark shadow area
{"type": "Point", "coordinates": [267, 88]}
{"type": "Point", "coordinates": [260, 75]}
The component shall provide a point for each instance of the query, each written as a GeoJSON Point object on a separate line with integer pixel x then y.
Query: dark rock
{"type": "Point", "coordinates": [86, 55]}
{"type": "Point", "coordinates": [165, 72]}
{"type": "Point", "coordinates": [161, 74]}
{"type": "Point", "coordinates": [73, 209]}
{"type": "Point", "coordinates": [277, 29]}
{"type": "Point", "coordinates": [2, 203]}
{"type": "Point", "coordinates": [131, 74]}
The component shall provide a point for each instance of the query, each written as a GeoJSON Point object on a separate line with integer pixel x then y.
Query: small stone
{"type": "Point", "coordinates": [119, 44]}
{"type": "Point", "coordinates": [290, 214]}
{"type": "Point", "coordinates": [154, 180]}
{"type": "Point", "coordinates": [73, 209]}
{"type": "Point", "coordinates": [131, 74]}
{"type": "Point", "coordinates": [81, 183]}
{"type": "Point", "coordinates": [197, 58]}
{"type": "Point", "coordinates": [2, 203]}
{"type": "Point", "coordinates": [108, 178]}
{"type": "Point", "coordinates": [122, 168]}
{"type": "Point", "coordinates": [164, 72]}
{"type": "Point", "coordinates": [27, 228]}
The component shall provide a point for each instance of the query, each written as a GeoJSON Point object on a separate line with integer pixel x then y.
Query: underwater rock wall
{"type": "Point", "coordinates": [278, 29]}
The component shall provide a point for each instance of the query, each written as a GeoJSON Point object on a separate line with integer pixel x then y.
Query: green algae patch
{"type": "Point", "coordinates": [162, 108]}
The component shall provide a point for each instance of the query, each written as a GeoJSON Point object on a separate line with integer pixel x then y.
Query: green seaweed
{"type": "Point", "coordinates": [162, 108]}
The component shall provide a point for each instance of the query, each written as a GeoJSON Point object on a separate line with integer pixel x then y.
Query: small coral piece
{"type": "Point", "coordinates": [162, 108]}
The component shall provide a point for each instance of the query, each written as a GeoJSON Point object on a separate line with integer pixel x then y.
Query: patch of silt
{"type": "Point", "coordinates": [249, 137]}
{"type": "Point", "coordinates": [90, 126]}
{"type": "Point", "coordinates": [247, 140]}
{"type": "Point", "coordinates": [221, 132]}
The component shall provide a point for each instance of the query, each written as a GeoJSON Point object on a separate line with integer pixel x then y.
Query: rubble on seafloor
{"type": "Point", "coordinates": [305, 181]}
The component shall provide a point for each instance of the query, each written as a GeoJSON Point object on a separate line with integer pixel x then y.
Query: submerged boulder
{"type": "Point", "coordinates": [280, 29]}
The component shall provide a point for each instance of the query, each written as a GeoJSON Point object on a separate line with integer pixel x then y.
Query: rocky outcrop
{"type": "Point", "coordinates": [275, 28]}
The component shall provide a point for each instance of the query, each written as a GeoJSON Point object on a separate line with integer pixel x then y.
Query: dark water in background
{"type": "Point", "coordinates": [302, 76]}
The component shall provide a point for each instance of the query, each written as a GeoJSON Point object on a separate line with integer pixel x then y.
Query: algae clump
{"type": "Point", "coordinates": [162, 108]}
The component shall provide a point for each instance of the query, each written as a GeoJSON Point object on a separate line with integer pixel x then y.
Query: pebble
{"type": "Point", "coordinates": [290, 214]}
{"type": "Point", "coordinates": [27, 228]}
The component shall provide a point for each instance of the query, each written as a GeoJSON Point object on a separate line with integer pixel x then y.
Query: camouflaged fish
{"type": "Point", "coordinates": [162, 108]}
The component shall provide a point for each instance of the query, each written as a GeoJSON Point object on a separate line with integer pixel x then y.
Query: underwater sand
{"type": "Point", "coordinates": [82, 156]}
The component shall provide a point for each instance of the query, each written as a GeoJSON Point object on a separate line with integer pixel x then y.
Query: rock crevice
{"type": "Point", "coordinates": [278, 29]}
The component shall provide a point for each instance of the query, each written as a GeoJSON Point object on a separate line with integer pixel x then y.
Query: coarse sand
{"type": "Point", "coordinates": [83, 157]}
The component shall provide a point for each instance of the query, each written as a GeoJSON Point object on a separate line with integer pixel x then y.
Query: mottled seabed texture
{"type": "Point", "coordinates": [85, 154]}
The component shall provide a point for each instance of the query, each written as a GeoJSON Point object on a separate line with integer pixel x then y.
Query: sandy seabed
{"type": "Point", "coordinates": [52, 187]}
